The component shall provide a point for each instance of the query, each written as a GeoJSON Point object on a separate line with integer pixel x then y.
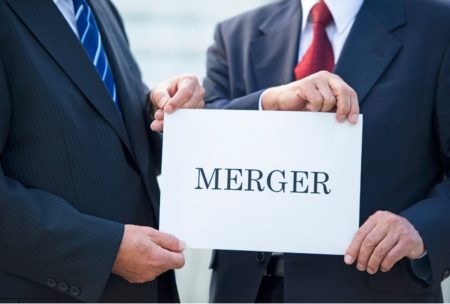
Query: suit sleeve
{"type": "Point", "coordinates": [44, 239]}
{"type": "Point", "coordinates": [217, 81]}
{"type": "Point", "coordinates": [431, 217]}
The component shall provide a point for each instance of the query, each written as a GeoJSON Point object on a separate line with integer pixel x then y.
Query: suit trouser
{"type": "Point", "coordinates": [271, 289]}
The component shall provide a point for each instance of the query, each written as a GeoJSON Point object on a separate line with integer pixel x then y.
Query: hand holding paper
{"type": "Point", "coordinates": [320, 92]}
{"type": "Point", "coordinates": [145, 253]}
{"type": "Point", "coordinates": [383, 240]}
{"type": "Point", "coordinates": [181, 92]}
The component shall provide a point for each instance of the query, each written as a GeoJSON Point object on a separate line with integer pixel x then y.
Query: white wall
{"type": "Point", "coordinates": [169, 37]}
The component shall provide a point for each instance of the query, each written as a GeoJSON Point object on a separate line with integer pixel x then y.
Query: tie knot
{"type": "Point", "coordinates": [321, 14]}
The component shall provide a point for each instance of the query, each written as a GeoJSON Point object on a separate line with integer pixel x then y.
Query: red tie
{"type": "Point", "coordinates": [320, 55]}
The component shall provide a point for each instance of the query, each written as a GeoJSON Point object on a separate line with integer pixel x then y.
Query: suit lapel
{"type": "Point", "coordinates": [49, 26]}
{"type": "Point", "coordinates": [370, 47]}
{"type": "Point", "coordinates": [131, 95]}
{"type": "Point", "coordinates": [274, 54]}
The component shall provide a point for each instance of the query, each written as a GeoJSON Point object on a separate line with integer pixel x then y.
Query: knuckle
{"type": "Point", "coordinates": [388, 213]}
{"type": "Point", "coordinates": [385, 269]}
{"type": "Point", "coordinates": [379, 213]}
{"type": "Point", "coordinates": [329, 101]}
{"type": "Point", "coordinates": [408, 239]}
{"type": "Point", "coordinates": [360, 234]}
{"type": "Point", "coordinates": [317, 101]}
{"type": "Point", "coordinates": [336, 77]}
{"type": "Point", "coordinates": [395, 220]}
{"type": "Point", "coordinates": [156, 95]}
{"type": "Point", "coordinates": [186, 91]}
{"type": "Point", "coordinates": [370, 242]}
{"type": "Point", "coordinates": [202, 92]}
{"type": "Point", "coordinates": [324, 74]}
{"type": "Point", "coordinates": [190, 78]}
{"type": "Point", "coordinates": [387, 264]}
{"type": "Point", "coordinates": [139, 280]}
{"type": "Point", "coordinates": [153, 264]}
{"type": "Point", "coordinates": [181, 263]}
{"type": "Point", "coordinates": [373, 263]}
{"type": "Point", "coordinates": [380, 252]}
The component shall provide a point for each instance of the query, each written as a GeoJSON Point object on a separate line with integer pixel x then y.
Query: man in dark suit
{"type": "Point", "coordinates": [395, 55]}
{"type": "Point", "coordinates": [78, 190]}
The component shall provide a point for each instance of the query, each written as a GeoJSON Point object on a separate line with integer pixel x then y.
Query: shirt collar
{"type": "Point", "coordinates": [343, 11]}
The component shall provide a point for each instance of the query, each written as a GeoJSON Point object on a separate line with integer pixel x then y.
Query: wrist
{"type": "Point", "coordinates": [122, 253]}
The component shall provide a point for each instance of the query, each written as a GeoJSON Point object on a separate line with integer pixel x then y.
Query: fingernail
{"type": "Point", "coordinates": [341, 118]}
{"type": "Point", "coordinates": [354, 118]}
{"type": "Point", "coordinates": [348, 259]}
{"type": "Point", "coordinates": [360, 267]}
{"type": "Point", "coordinates": [371, 271]}
{"type": "Point", "coordinates": [182, 245]}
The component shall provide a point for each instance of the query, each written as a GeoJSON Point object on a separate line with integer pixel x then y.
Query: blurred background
{"type": "Point", "coordinates": [171, 37]}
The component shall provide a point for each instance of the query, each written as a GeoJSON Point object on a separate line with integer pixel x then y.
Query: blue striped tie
{"type": "Point", "coordinates": [91, 40]}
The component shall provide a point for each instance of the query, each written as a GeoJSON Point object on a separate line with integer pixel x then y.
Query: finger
{"type": "Point", "coordinates": [186, 90]}
{"type": "Point", "coordinates": [173, 260]}
{"type": "Point", "coordinates": [157, 126]}
{"type": "Point", "coordinates": [313, 97]}
{"type": "Point", "coordinates": [396, 254]}
{"type": "Point", "coordinates": [380, 252]}
{"type": "Point", "coordinates": [167, 241]}
{"type": "Point", "coordinates": [342, 92]}
{"type": "Point", "coordinates": [329, 100]}
{"type": "Point", "coordinates": [353, 116]}
{"type": "Point", "coordinates": [196, 102]}
{"type": "Point", "coordinates": [159, 115]}
{"type": "Point", "coordinates": [159, 96]}
{"type": "Point", "coordinates": [353, 250]}
{"type": "Point", "coordinates": [369, 244]}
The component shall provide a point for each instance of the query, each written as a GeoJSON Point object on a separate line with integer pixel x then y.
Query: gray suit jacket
{"type": "Point", "coordinates": [397, 58]}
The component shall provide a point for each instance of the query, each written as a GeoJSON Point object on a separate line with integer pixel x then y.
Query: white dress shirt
{"type": "Point", "coordinates": [67, 10]}
{"type": "Point", "coordinates": [344, 13]}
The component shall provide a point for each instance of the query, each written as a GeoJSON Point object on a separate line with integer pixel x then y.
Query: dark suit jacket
{"type": "Point", "coordinates": [397, 59]}
{"type": "Point", "coordinates": [72, 170]}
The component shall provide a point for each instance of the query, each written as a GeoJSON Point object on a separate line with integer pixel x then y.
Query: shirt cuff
{"type": "Point", "coordinates": [260, 106]}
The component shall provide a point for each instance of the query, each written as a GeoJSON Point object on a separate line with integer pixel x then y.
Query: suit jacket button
{"type": "Point", "coordinates": [51, 283]}
{"type": "Point", "coordinates": [62, 286]}
{"type": "Point", "coordinates": [75, 291]}
{"type": "Point", "coordinates": [446, 275]}
{"type": "Point", "coordinates": [260, 257]}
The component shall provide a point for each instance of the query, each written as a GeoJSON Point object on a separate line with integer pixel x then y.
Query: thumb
{"type": "Point", "coordinates": [185, 91]}
{"type": "Point", "coordinates": [173, 260]}
{"type": "Point", "coordinates": [159, 96]}
{"type": "Point", "coordinates": [167, 241]}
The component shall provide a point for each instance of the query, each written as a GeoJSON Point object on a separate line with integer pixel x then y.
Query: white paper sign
{"type": "Point", "coordinates": [261, 181]}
